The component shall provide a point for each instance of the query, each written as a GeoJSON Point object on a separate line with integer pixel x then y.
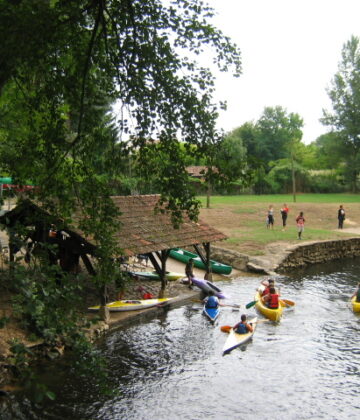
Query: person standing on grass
{"type": "Point", "coordinates": [300, 222]}
{"type": "Point", "coordinates": [270, 217]}
{"type": "Point", "coordinates": [341, 217]}
{"type": "Point", "coordinates": [284, 214]}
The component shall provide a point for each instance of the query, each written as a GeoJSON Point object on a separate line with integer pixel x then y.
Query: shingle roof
{"type": "Point", "coordinates": [144, 231]}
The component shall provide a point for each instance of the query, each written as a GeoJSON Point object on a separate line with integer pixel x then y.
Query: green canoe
{"type": "Point", "coordinates": [184, 256]}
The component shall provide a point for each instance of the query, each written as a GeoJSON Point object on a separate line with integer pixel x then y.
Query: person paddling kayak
{"type": "Point", "coordinates": [243, 327]}
{"type": "Point", "coordinates": [271, 299]}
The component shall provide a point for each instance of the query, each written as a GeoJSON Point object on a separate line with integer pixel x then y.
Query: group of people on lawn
{"type": "Point", "coordinates": [300, 220]}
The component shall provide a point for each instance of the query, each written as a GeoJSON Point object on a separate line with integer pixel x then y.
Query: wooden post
{"type": "Point", "coordinates": [208, 263]}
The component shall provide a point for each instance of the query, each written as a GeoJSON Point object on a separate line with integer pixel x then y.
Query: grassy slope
{"type": "Point", "coordinates": [242, 218]}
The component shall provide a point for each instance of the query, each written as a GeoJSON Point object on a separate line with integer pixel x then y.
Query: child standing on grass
{"type": "Point", "coordinates": [300, 221]}
{"type": "Point", "coordinates": [284, 214]}
{"type": "Point", "coordinates": [270, 218]}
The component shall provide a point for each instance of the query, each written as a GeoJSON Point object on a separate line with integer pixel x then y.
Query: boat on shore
{"type": "Point", "coordinates": [235, 340]}
{"type": "Point", "coordinates": [207, 287]}
{"type": "Point", "coordinates": [272, 314]}
{"type": "Point", "coordinates": [153, 275]}
{"type": "Point", "coordinates": [355, 305]}
{"type": "Point", "coordinates": [184, 256]}
{"type": "Point", "coordinates": [132, 305]}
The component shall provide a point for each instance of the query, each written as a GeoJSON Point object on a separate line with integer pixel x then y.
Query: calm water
{"type": "Point", "coordinates": [306, 367]}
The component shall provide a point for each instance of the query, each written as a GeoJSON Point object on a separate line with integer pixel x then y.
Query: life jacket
{"type": "Point", "coordinates": [212, 302]}
{"type": "Point", "coordinates": [273, 302]}
{"type": "Point", "coordinates": [241, 328]}
{"type": "Point", "coordinates": [266, 291]}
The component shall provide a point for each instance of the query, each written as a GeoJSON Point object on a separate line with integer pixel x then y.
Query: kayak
{"type": "Point", "coordinates": [355, 305]}
{"type": "Point", "coordinates": [207, 287]}
{"type": "Point", "coordinates": [132, 305]}
{"type": "Point", "coordinates": [153, 275]}
{"type": "Point", "coordinates": [184, 256]}
{"type": "Point", "coordinates": [272, 314]}
{"type": "Point", "coordinates": [235, 340]}
{"type": "Point", "coordinates": [211, 313]}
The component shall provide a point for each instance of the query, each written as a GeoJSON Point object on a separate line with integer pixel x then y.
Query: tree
{"type": "Point", "coordinates": [344, 119]}
{"type": "Point", "coordinates": [63, 62]}
{"type": "Point", "coordinates": [279, 135]}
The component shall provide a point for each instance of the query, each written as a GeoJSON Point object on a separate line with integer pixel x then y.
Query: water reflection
{"type": "Point", "coordinates": [306, 367]}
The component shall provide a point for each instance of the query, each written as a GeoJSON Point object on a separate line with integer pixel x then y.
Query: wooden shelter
{"type": "Point", "coordinates": [143, 231]}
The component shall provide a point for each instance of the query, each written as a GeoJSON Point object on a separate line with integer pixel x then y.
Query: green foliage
{"type": "Point", "coordinates": [47, 301]}
{"type": "Point", "coordinates": [278, 133]}
{"type": "Point", "coordinates": [20, 360]}
{"type": "Point", "coordinates": [344, 118]}
{"type": "Point", "coordinates": [3, 321]}
{"type": "Point", "coordinates": [326, 182]}
{"type": "Point", "coordinates": [63, 64]}
{"type": "Point", "coordinates": [280, 176]}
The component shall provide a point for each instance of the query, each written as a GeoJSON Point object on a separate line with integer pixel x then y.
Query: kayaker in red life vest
{"type": "Point", "coordinates": [268, 284]}
{"type": "Point", "coordinates": [271, 300]}
{"type": "Point", "coordinates": [243, 327]}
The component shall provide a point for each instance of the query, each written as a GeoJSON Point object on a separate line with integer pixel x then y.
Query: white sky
{"type": "Point", "coordinates": [290, 52]}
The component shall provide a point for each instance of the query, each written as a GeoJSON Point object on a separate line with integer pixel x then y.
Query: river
{"type": "Point", "coordinates": [171, 367]}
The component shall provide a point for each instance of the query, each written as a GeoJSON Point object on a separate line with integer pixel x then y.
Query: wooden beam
{"type": "Point", "coordinates": [208, 256]}
{"type": "Point", "coordinates": [88, 264]}
{"type": "Point", "coordinates": [201, 255]}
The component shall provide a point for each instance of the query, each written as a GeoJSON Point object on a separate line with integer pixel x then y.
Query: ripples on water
{"type": "Point", "coordinates": [306, 367]}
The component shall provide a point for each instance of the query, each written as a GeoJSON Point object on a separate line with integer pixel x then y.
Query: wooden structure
{"type": "Point", "coordinates": [142, 232]}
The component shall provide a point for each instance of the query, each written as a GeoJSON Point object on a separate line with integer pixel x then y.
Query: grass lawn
{"type": "Point", "coordinates": [242, 219]}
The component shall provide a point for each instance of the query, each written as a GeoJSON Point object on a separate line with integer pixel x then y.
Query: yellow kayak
{"type": "Point", "coordinates": [131, 305]}
{"type": "Point", "coordinates": [153, 275]}
{"type": "Point", "coordinates": [272, 314]}
{"type": "Point", "coordinates": [355, 305]}
{"type": "Point", "coordinates": [235, 340]}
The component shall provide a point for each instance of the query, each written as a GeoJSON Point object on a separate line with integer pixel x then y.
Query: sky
{"type": "Point", "coordinates": [290, 51]}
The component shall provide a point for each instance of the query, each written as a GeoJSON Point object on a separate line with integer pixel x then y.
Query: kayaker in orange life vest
{"type": "Point", "coordinates": [243, 327]}
{"type": "Point", "coordinates": [271, 300]}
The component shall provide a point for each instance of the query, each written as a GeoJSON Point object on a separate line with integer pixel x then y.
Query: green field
{"type": "Point", "coordinates": [242, 218]}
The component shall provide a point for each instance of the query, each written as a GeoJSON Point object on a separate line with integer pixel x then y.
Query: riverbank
{"type": "Point", "coordinates": [251, 248]}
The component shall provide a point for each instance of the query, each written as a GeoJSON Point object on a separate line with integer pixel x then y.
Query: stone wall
{"type": "Point", "coordinates": [319, 252]}
{"type": "Point", "coordinates": [280, 260]}
{"type": "Point", "coordinates": [226, 256]}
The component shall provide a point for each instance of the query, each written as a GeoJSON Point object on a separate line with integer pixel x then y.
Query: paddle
{"type": "Point", "coordinates": [250, 304]}
{"type": "Point", "coordinates": [286, 303]}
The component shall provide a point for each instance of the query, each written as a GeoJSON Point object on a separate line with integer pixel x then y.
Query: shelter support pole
{"type": "Point", "coordinates": [205, 259]}
{"type": "Point", "coordinates": [164, 255]}
{"type": "Point", "coordinates": [208, 263]}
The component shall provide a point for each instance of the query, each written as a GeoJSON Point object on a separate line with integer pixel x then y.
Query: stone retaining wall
{"type": "Point", "coordinates": [319, 252]}
{"type": "Point", "coordinates": [233, 258]}
{"type": "Point", "coordinates": [294, 256]}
